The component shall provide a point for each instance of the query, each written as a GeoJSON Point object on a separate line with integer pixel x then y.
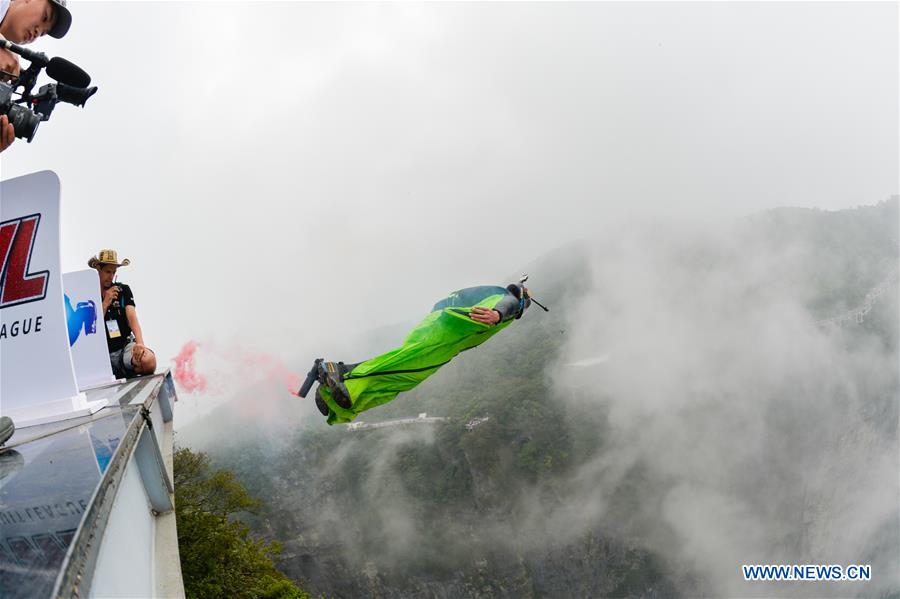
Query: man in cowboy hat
{"type": "Point", "coordinates": [124, 337]}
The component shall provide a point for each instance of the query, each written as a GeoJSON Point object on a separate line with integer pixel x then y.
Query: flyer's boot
{"type": "Point", "coordinates": [320, 403]}
{"type": "Point", "coordinates": [331, 374]}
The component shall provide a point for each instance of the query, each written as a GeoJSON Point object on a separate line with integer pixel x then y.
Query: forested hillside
{"type": "Point", "coordinates": [548, 496]}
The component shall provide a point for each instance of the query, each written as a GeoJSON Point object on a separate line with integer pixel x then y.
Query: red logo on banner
{"type": "Point", "coordinates": [17, 285]}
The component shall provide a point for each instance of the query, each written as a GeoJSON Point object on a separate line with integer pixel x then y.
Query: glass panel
{"type": "Point", "coordinates": [45, 487]}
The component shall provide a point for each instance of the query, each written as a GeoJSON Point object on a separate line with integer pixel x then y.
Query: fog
{"type": "Point", "coordinates": [298, 180]}
{"type": "Point", "coordinates": [286, 174]}
{"type": "Point", "coordinates": [760, 437]}
{"type": "Point", "coordinates": [728, 428]}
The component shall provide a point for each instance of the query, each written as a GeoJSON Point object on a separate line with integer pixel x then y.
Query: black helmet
{"type": "Point", "coordinates": [521, 293]}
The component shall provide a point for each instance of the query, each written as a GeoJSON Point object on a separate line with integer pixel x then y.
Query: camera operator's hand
{"type": "Point", "coordinates": [8, 63]}
{"type": "Point", "coordinates": [7, 133]}
{"type": "Point", "coordinates": [109, 296]}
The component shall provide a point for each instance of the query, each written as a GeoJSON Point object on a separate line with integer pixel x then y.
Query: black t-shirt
{"type": "Point", "coordinates": [118, 333]}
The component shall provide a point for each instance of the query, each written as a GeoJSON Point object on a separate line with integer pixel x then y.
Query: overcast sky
{"type": "Point", "coordinates": [284, 174]}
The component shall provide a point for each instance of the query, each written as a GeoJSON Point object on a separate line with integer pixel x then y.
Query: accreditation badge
{"type": "Point", "coordinates": [112, 329]}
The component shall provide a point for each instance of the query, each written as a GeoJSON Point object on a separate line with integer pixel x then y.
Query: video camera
{"type": "Point", "coordinates": [71, 87]}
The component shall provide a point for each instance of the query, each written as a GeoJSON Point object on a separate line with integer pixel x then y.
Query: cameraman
{"type": "Point", "coordinates": [124, 338]}
{"type": "Point", "coordinates": [22, 22]}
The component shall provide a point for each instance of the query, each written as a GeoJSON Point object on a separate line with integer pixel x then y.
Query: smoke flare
{"type": "Point", "coordinates": [186, 374]}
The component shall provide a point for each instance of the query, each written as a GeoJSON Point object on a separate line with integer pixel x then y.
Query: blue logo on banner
{"type": "Point", "coordinates": [81, 318]}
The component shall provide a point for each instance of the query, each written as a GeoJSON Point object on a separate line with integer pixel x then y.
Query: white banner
{"type": "Point", "coordinates": [87, 336]}
{"type": "Point", "coordinates": [37, 380]}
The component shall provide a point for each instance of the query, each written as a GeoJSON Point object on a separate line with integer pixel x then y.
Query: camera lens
{"type": "Point", "coordinates": [24, 121]}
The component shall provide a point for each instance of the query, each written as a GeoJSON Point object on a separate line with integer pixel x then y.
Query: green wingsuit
{"type": "Point", "coordinates": [441, 335]}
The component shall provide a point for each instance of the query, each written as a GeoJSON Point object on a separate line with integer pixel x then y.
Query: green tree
{"type": "Point", "coordinates": [218, 556]}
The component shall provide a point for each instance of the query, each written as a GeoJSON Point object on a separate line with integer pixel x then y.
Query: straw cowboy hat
{"type": "Point", "coordinates": [107, 257]}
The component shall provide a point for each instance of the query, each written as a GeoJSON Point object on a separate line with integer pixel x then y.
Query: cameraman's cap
{"type": "Point", "coordinates": [63, 19]}
{"type": "Point", "coordinates": [107, 257]}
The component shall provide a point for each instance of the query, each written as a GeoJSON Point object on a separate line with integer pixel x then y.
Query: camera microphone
{"type": "Point", "coordinates": [68, 73]}
{"type": "Point", "coordinates": [58, 68]}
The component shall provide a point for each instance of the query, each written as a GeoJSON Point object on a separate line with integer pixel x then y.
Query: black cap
{"type": "Point", "coordinates": [63, 19]}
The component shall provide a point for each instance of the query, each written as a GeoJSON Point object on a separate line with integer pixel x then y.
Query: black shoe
{"type": "Point", "coordinates": [320, 403]}
{"type": "Point", "coordinates": [332, 376]}
{"type": "Point", "coordinates": [7, 428]}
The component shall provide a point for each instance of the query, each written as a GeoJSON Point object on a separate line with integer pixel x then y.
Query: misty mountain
{"type": "Point", "coordinates": [677, 413]}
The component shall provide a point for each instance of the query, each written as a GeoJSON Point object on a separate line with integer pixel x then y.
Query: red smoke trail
{"type": "Point", "coordinates": [242, 363]}
{"type": "Point", "coordinates": [185, 373]}
{"type": "Point", "coordinates": [271, 368]}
